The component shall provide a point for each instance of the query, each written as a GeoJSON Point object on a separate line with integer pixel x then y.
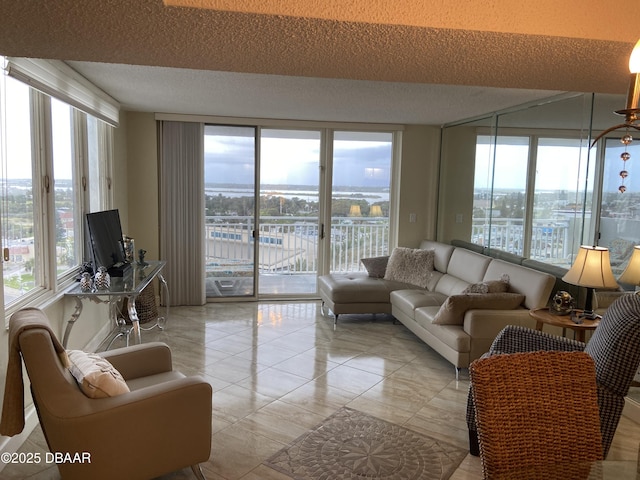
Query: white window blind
{"type": "Point", "coordinates": [57, 79]}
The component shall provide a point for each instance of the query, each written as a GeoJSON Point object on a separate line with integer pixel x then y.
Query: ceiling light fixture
{"type": "Point", "coordinates": [631, 113]}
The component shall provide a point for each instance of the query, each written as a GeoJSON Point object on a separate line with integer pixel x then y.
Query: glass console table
{"type": "Point", "coordinates": [127, 287]}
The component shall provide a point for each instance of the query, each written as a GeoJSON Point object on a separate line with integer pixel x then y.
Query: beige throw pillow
{"type": "Point", "coordinates": [95, 375]}
{"type": "Point", "coordinates": [410, 265]}
{"type": "Point", "coordinates": [376, 266]}
{"type": "Point", "coordinates": [453, 309]}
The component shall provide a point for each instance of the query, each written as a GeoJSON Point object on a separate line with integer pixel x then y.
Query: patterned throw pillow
{"type": "Point", "coordinates": [95, 375]}
{"type": "Point", "coordinates": [410, 265]}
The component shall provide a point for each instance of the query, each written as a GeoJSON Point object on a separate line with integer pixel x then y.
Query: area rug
{"type": "Point", "coordinates": [353, 445]}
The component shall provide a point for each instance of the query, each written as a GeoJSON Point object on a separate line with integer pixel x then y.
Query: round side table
{"type": "Point", "coordinates": [542, 316]}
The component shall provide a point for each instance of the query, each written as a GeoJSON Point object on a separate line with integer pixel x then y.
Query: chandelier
{"type": "Point", "coordinates": [631, 114]}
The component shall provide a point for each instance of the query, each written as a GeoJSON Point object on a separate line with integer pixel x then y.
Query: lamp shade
{"type": "Point", "coordinates": [592, 269]}
{"type": "Point", "coordinates": [354, 211]}
{"type": "Point", "coordinates": [631, 274]}
{"type": "Point", "coordinates": [376, 211]}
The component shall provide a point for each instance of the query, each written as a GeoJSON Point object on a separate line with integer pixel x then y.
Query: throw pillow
{"type": "Point", "coordinates": [376, 266]}
{"type": "Point", "coordinates": [490, 286]}
{"type": "Point", "coordinates": [453, 309]}
{"type": "Point", "coordinates": [410, 265]}
{"type": "Point", "coordinates": [95, 375]}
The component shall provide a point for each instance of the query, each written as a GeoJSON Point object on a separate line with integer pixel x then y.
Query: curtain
{"type": "Point", "coordinates": [182, 210]}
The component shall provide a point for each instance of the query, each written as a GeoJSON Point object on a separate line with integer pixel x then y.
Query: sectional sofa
{"type": "Point", "coordinates": [456, 304]}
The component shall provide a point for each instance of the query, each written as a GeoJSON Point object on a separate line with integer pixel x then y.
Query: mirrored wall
{"type": "Point", "coordinates": [529, 183]}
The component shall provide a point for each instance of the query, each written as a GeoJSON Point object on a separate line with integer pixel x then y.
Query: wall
{"type": "Point", "coordinates": [418, 193]}
{"type": "Point", "coordinates": [142, 186]}
{"type": "Point", "coordinates": [455, 207]}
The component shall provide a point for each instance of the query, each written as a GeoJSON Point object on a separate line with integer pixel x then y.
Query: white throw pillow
{"type": "Point", "coordinates": [410, 265]}
{"type": "Point", "coordinates": [95, 375]}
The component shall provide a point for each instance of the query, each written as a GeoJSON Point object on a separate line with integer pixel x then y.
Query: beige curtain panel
{"type": "Point", "coordinates": [182, 210]}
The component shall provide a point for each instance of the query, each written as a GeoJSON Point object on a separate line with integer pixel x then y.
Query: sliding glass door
{"type": "Point", "coordinates": [229, 194]}
{"type": "Point", "coordinates": [361, 184]}
{"type": "Point", "coordinates": [289, 211]}
{"type": "Point", "coordinates": [274, 222]}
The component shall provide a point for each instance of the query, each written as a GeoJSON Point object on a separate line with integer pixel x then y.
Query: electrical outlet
{"type": "Point", "coordinates": [458, 218]}
{"type": "Point", "coordinates": [412, 218]}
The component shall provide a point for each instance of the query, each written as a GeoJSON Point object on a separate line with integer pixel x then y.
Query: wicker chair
{"type": "Point", "coordinates": [536, 410]}
{"type": "Point", "coordinates": [614, 347]}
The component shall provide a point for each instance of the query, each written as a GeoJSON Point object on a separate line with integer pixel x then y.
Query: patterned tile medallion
{"type": "Point", "coordinates": [353, 445]}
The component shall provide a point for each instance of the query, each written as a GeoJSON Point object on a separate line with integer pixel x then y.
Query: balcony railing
{"type": "Point", "coordinates": [550, 239]}
{"type": "Point", "coordinates": [290, 244]}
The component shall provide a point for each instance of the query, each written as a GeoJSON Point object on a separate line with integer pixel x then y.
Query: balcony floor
{"type": "Point", "coordinates": [269, 284]}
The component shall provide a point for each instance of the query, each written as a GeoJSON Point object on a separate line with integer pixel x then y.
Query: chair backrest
{"type": "Point", "coordinates": [615, 345]}
{"type": "Point", "coordinates": [55, 392]}
{"type": "Point", "coordinates": [535, 409]}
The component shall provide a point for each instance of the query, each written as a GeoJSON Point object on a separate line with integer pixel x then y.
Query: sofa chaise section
{"type": "Point", "coordinates": [357, 293]}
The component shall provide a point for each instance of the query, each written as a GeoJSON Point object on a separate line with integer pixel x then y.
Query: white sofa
{"type": "Point", "coordinates": [421, 309]}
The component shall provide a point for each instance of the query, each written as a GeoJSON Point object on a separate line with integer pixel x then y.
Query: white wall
{"type": "Point", "coordinates": [418, 184]}
{"type": "Point", "coordinates": [455, 205]}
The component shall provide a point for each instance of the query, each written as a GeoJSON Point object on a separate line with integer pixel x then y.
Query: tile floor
{"type": "Point", "coordinates": [278, 369]}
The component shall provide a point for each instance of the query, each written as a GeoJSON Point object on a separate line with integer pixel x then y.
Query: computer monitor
{"type": "Point", "coordinates": [105, 240]}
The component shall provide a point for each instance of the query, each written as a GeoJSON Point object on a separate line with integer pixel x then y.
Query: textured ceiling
{"type": "Point", "coordinates": [233, 54]}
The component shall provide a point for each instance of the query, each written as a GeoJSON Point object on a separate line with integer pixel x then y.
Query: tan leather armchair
{"type": "Point", "coordinates": [163, 424]}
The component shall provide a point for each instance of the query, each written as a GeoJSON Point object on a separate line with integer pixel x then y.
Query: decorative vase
{"type": "Point", "coordinates": [129, 249]}
{"type": "Point", "coordinates": [102, 280]}
{"type": "Point", "coordinates": [85, 282]}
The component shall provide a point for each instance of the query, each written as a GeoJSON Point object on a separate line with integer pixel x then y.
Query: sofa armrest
{"type": "Point", "coordinates": [140, 360]}
{"type": "Point", "coordinates": [489, 323]}
{"type": "Point", "coordinates": [516, 339]}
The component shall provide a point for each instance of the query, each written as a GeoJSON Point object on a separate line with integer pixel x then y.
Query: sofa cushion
{"type": "Point", "coordinates": [536, 285]}
{"type": "Point", "coordinates": [451, 335]}
{"type": "Point", "coordinates": [468, 266]}
{"type": "Point", "coordinates": [410, 265]}
{"type": "Point", "coordinates": [95, 375]}
{"type": "Point", "coordinates": [442, 251]}
{"type": "Point", "coordinates": [376, 266]}
{"type": "Point", "coordinates": [453, 309]}
{"type": "Point", "coordinates": [408, 300]}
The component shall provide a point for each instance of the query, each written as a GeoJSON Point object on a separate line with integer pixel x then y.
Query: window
{"type": "Point", "coordinates": [559, 199]}
{"type": "Point", "coordinates": [50, 153]}
{"type": "Point", "coordinates": [21, 241]}
{"type": "Point", "coordinates": [499, 192]}
{"type": "Point", "coordinates": [66, 209]}
{"type": "Point", "coordinates": [619, 212]}
{"type": "Point", "coordinates": [544, 222]}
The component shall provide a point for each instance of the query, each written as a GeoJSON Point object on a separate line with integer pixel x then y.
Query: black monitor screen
{"type": "Point", "coordinates": [105, 238]}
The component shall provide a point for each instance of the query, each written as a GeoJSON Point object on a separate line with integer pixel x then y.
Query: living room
{"type": "Point", "coordinates": [437, 187]}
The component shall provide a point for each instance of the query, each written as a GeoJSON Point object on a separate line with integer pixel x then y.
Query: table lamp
{"type": "Point", "coordinates": [631, 274]}
{"type": "Point", "coordinates": [592, 269]}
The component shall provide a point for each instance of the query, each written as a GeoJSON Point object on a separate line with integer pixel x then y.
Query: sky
{"type": "Point", "coordinates": [558, 167]}
{"type": "Point", "coordinates": [292, 158]}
